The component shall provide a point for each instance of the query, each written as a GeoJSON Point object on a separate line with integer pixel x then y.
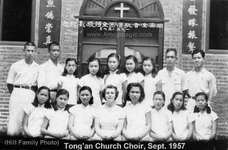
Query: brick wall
{"type": "Point", "coordinates": [218, 65]}
{"type": "Point", "coordinates": [173, 28]}
{"type": "Point", "coordinates": [7, 57]}
{"type": "Point", "coordinates": [10, 54]}
{"type": "Point", "coordinates": [69, 25]}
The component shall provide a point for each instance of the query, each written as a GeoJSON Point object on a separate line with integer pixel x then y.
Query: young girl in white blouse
{"type": "Point", "coordinates": [69, 80]}
{"type": "Point", "coordinates": [182, 120]}
{"type": "Point", "coordinates": [35, 112]}
{"type": "Point", "coordinates": [113, 76]}
{"type": "Point", "coordinates": [109, 118]}
{"type": "Point", "coordinates": [93, 79]}
{"type": "Point", "coordinates": [56, 121]}
{"type": "Point", "coordinates": [149, 81]}
{"type": "Point", "coordinates": [160, 119]}
{"type": "Point", "coordinates": [205, 119]}
{"type": "Point", "coordinates": [137, 120]}
{"type": "Point", "coordinates": [81, 122]}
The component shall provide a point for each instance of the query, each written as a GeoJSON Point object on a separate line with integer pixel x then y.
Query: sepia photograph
{"type": "Point", "coordinates": [114, 74]}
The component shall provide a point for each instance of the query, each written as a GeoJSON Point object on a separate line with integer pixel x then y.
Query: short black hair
{"type": "Point", "coordinates": [29, 44]}
{"type": "Point", "coordinates": [115, 55]}
{"type": "Point", "coordinates": [171, 49]}
{"type": "Point", "coordinates": [51, 44]}
{"type": "Point", "coordinates": [202, 93]}
{"type": "Point", "coordinates": [136, 64]}
{"type": "Point", "coordinates": [60, 92]}
{"type": "Point", "coordinates": [196, 109]}
{"type": "Point", "coordinates": [159, 93]}
{"type": "Point", "coordinates": [110, 87]}
{"type": "Point", "coordinates": [198, 51]}
{"type": "Point", "coordinates": [83, 88]}
{"type": "Point", "coordinates": [94, 58]}
{"type": "Point", "coordinates": [65, 71]}
{"type": "Point", "coordinates": [129, 87]}
{"type": "Point", "coordinates": [171, 106]}
{"type": "Point", "coordinates": [47, 104]}
{"type": "Point", "coordinates": [154, 71]}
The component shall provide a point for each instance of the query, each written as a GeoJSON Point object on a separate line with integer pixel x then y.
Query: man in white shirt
{"type": "Point", "coordinates": [21, 83]}
{"type": "Point", "coordinates": [199, 79]}
{"type": "Point", "coordinates": [170, 79]}
{"type": "Point", "coordinates": [51, 70]}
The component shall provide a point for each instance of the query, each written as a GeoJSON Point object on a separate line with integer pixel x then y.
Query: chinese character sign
{"type": "Point", "coordinates": [192, 25]}
{"type": "Point", "coordinates": [49, 22]}
{"type": "Point", "coordinates": [116, 26]}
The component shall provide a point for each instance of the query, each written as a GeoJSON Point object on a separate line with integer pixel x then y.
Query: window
{"type": "Point", "coordinates": [218, 30]}
{"type": "Point", "coordinates": [15, 20]}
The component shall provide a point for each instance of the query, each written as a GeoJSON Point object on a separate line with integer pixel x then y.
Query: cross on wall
{"type": "Point", "coordinates": [121, 9]}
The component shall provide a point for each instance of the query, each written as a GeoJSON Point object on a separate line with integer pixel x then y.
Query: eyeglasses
{"type": "Point", "coordinates": [170, 57]}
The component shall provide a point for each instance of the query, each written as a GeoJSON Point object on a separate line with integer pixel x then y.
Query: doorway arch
{"type": "Point", "coordinates": [123, 25]}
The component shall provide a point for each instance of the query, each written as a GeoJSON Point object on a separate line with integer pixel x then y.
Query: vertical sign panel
{"type": "Point", "coordinates": [49, 22]}
{"type": "Point", "coordinates": [192, 25]}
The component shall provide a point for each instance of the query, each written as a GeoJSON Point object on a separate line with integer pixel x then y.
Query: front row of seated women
{"type": "Point", "coordinates": [135, 121]}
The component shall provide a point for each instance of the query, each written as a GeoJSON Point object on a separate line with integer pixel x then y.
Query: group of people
{"type": "Point", "coordinates": [120, 103]}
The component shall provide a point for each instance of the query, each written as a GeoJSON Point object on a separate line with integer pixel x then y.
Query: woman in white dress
{"type": "Point", "coordinates": [69, 80]}
{"type": "Point", "coordinates": [161, 128]}
{"type": "Point", "coordinates": [93, 80]}
{"type": "Point", "coordinates": [109, 118]}
{"type": "Point", "coordinates": [137, 120]}
{"type": "Point", "coordinates": [182, 120]}
{"type": "Point", "coordinates": [56, 121]}
{"type": "Point", "coordinates": [35, 112]}
{"type": "Point", "coordinates": [205, 119]}
{"type": "Point", "coordinates": [81, 122]}
{"type": "Point", "coordinates": [149, 81]}
{"type": "Point", "coordinates": [114, 77]}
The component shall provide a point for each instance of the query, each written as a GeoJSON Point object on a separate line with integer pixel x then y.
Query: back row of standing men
{"type": "Point", "coordinates": [25, 75]}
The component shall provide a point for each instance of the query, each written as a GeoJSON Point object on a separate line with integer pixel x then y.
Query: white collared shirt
{"type": "Point", "coordinates": [83, 119]}
{"type": "Point", "coordinates": [108, 117]}
{"type": "Point", "coordinates": [171, 82]}
{"type": "Point", "coordinates": [21, 73]}
{"type": "Point", "coordinates": [181, 120]}
{"type": "Point", "coordinates": [136, 119]}
{"type": "Point", "coordinates": [49, 74]}
{"type": "Point", "coordinates": [58, 121]}
{"type": "Point", "coordinates": [35, 118]}
{"type": "Point", "coordinates": [201, 81]}
{"type": "Point", "coordinates": [160, 121]}
{"type": "Point", "coordinates": [203, 124]}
